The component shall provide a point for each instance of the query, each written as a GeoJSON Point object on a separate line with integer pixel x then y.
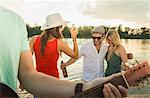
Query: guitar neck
{"type": "Point", "coordinates": [97, 92]}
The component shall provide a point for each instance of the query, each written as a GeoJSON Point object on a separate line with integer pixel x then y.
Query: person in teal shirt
{"type": "Point", "coordinates": [116, 55]}
{"type": "Point", "coordinates": [16, 61]}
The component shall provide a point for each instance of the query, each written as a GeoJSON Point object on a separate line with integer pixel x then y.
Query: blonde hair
{"type": "Point", "coordinates": [115, 38]}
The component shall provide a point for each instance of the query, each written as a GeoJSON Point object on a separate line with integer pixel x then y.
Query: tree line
{"type": "Point", "coordinates": [85, 32]}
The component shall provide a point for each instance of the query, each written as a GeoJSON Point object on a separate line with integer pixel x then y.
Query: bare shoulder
{"type": "Point", "coordinates": [121, 48]}
{"type": "Point", "coordinates": [33, 38]}
{"type": "Point", "coordinates": [62, 45]}
{"type": "Point", "coordinates": [60, 41]}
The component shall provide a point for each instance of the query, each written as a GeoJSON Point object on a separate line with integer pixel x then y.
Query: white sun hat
{"type": "Point", "coordinates": [53, 20]}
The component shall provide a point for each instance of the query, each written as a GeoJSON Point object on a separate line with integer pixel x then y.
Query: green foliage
{"type": "Point", "coordinates": [33, 30]}
{"type": "Point", "coordinates": [66, 33]}
{"type": "Point", "coordinates": [85, 32]}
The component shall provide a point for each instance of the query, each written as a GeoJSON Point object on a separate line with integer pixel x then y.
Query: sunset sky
{"type": "Point", "coordinates": [132, 13]}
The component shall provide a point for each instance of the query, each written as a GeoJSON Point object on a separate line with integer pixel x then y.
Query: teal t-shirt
{"type": "Point", "coordinates": [13, 41]}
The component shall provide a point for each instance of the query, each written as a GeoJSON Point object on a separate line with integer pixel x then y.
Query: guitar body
{"type": "Point", "coordinates": [7, 92]}
{"type": "Point", "coordinates": [132, 77]}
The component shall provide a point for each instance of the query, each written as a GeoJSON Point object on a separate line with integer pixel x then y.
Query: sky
{"type": "Point", "coordinates": [131, 13]}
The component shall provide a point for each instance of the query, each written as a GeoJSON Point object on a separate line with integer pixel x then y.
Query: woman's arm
{"type": "Point", "coordinates": [62, 46]}
{"type": "Point", "coordinates": [32, 41]}
{"type": "Point", "coordinates": [123, 56]}
{"type": "Point", "coordinates": [69, 62]}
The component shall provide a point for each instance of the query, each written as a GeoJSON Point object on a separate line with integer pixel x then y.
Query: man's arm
{"type": "Point", "coordinates": [47, 86]}
{"type": "Point", "coordinates": [40, 84]}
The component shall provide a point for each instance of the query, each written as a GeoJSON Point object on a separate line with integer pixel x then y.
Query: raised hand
{"type": "Point", "coordinates": [73, 32]}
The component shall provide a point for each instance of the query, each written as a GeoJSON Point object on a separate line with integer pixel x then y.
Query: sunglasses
{"type": "Point", "coordinates": [97, 37]}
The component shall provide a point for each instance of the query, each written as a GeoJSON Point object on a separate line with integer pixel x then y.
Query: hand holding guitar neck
{"type": "Point", "coordinates": [132, 77]}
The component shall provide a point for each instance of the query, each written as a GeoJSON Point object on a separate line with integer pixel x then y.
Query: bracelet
{"type": "Point", "coordinates": [78, 88]}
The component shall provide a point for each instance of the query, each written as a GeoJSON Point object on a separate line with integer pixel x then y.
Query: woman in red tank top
{"type": "Point", "coordinates": [48, 45]}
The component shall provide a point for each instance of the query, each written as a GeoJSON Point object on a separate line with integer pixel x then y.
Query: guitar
{"type": "Point", "coordinates": [132, 77]}
{"type": "Point", "coordinates": [7, 92]}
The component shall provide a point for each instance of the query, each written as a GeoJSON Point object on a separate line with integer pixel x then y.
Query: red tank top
{"type": "Point", "coordinates": [47, 63]}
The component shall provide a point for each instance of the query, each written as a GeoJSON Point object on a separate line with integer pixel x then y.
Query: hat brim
{"type": "Point", "coordinates": [45, 26]}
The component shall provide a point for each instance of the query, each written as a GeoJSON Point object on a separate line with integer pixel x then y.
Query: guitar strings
{"type": "Point", "coordinates": [95, 91]}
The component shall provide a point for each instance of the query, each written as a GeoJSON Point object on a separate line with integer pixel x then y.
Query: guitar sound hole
{"type": "Point", "coordinates": [139, 67]}
{"type": "Point", "coordinates": [134, 70]}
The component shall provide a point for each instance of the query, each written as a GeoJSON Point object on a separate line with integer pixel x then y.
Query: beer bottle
{"type": "Point", "coordinates": [64, 70]}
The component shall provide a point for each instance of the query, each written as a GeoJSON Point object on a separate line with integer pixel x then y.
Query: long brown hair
{"type": "Point", "coordinates": [46, 34]}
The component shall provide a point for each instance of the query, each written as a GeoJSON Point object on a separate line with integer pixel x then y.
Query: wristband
{"type": "Point", "coordinates": [78, 88]}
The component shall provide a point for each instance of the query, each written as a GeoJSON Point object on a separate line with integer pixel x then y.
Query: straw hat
{"type": "Point", "coordinates": [53, 20]}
